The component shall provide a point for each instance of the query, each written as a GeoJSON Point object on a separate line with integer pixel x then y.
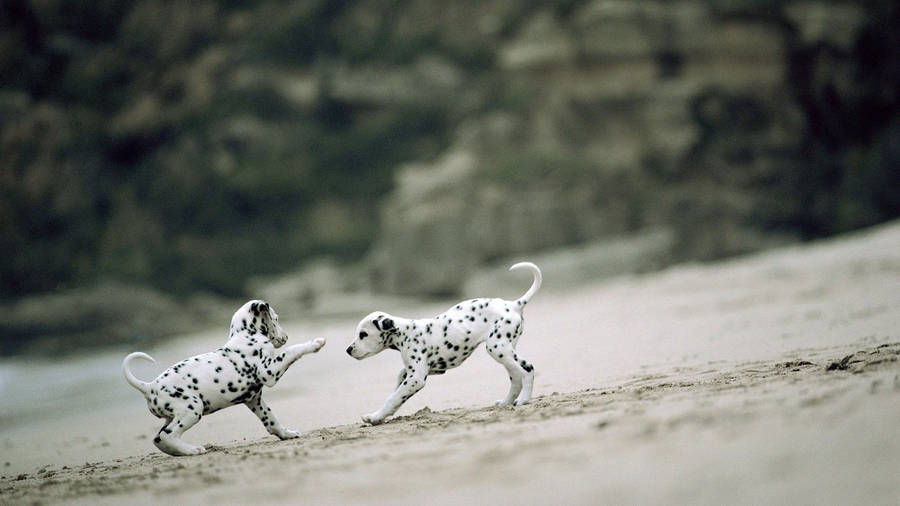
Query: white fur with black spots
{"type": "Point", "coordinates": [434, 345]}
{"type": "Point", "coordinates": [233, 374]}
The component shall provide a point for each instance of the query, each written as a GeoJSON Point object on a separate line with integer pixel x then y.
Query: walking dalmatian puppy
{"type": "Point", "coordinates": [233, 374]}
{"type": "Point", "coordinates": [433, 345]}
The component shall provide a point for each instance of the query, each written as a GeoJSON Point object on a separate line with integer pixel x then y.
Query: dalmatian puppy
{"type": "Point", "coordinates": [433, 345]}
{"type": "Point", "coordinates": [232, 374]}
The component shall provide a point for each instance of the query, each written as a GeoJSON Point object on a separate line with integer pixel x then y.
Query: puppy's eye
{"type": "Point", "coordinates": [362, 334]}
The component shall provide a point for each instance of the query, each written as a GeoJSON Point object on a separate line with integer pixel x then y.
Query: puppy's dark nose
{"type": "Point", "coordinates": [349, 350]}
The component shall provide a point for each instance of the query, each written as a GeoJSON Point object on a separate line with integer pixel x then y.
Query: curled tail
{"type": "Point", "coordinates": [521, 301]}
{"type": "Point", "coordinates": [142, 386]}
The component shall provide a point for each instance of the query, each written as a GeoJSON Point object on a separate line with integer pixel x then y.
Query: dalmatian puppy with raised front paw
{"type": "Point", "coordinates": [434, 345]}
{"type": "Point", "coordinates": [252, 357]}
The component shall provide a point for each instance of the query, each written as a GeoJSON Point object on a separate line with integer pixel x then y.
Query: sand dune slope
{"type": "Point", "coordinates": [768, 379]}
{"type": "Point", "coordinates": [818, 430]}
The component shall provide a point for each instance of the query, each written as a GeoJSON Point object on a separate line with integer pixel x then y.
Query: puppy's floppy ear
{"type": "Point", "coordinates": [387, 324]}
{"type": "Point", "coordinates": [265, 314]}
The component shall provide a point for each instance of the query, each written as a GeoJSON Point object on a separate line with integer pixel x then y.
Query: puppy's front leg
{"type": "Point", "coordinates": [268, 419]}
{"type": "Point", "coordinates": [406, 388]}
{"type": "Point", "coordinates": [400, 378]}
{"type": "Point", "coordinates": [278, 363]}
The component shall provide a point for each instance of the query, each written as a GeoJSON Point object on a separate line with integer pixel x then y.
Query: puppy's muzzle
{"type": "Point", "coordinates": [350, 350]}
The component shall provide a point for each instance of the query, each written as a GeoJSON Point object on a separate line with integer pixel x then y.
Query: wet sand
{"type": "Point", "coordinates": [770, 378]}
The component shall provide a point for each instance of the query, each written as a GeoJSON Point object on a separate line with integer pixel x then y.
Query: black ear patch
{"type": "Point", "coordinates": [265, 317]}
{"type": "Point", "coordinates": [387, 324]}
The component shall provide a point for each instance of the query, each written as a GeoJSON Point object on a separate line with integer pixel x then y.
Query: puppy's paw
{"type": "Point", "coordinates": [319, 343]}
{"type": "Point", "coordinates": [501, 403]}
{"type": "Point", "coordinates": [283, 433]}
{"type": "Point", "coordinates": [521, 402]}
{"type": "Point", "coordinates": [195, 450]}
{"type": "Point", "coordinates": [372, 419]}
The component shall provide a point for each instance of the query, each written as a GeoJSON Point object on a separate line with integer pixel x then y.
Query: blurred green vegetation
{"type": "Point", "coordinates": [191, 145]}
{"type": "Point", "coordinates": [126, 154]}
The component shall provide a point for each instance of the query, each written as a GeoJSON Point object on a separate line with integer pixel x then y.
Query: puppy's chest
{"type": "Point", "coordinates": [242, 365]}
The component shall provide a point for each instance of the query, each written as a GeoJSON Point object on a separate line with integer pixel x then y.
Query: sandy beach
{"type": "Point", "coordinates": [772, 378]}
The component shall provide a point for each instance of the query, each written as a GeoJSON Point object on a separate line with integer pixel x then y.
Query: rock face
{"type": "Point", "coordinates": [686, 116]}
{"type": "Point", "coordinates": [196, 145]}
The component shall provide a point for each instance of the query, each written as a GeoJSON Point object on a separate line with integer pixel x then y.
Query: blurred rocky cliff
{"type": "Point", "coordinates": [734, 126]}
{"type": "Point", "coordinates": [192, 145]}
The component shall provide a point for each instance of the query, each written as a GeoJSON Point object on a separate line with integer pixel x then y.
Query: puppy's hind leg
{"type": "Point", "coordinates": [502, 346]}
{"type": "Point", "coordinates": [503, 353]}
{"type": "Point", "coordinates": [168, 439]}
{"type": "Point", "coordinates": [527, 381]}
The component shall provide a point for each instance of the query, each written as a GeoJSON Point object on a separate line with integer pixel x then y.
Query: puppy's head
{"type": "Point", "coordinates": [372, 335]}
{"type": "Point", "coordinates": [258, 317]}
